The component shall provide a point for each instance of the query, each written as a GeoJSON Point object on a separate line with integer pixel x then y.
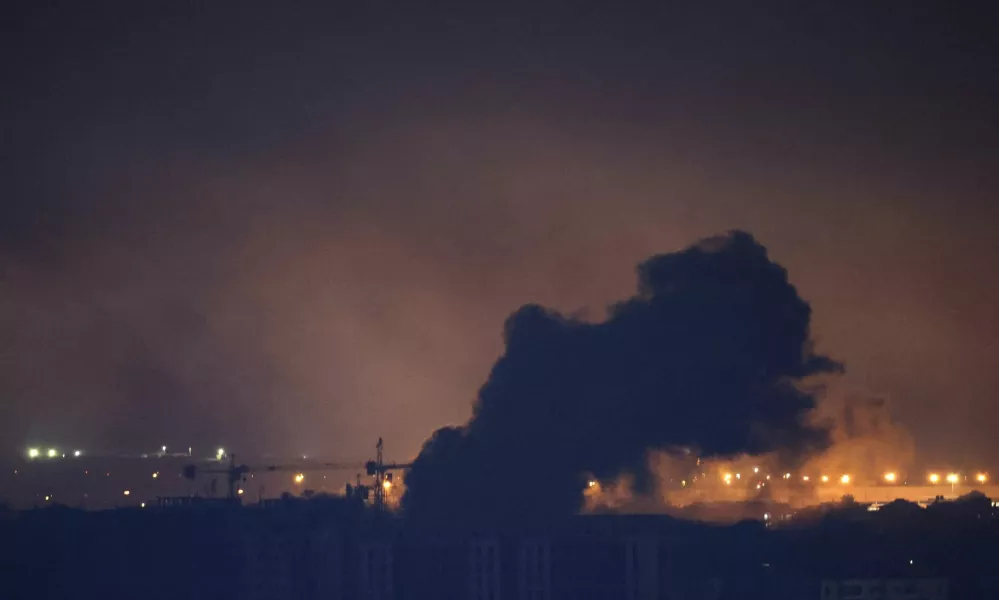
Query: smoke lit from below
{"type": "Point", "coordinates": [870, 459]}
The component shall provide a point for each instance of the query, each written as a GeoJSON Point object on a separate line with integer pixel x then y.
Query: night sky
{"type": "Point", "coordinates": [294, 229]}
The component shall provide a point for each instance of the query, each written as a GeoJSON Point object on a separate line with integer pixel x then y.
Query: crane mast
{"type": "Point", "coordinates": [378, 469]}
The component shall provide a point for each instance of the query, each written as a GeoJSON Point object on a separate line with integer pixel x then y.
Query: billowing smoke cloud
{"type": "Point", "coordinates": [707, 356]}
{"type": "Point", "coordinates": [865, 443]}
{"type": "Point", "coordinates": [866, 440]}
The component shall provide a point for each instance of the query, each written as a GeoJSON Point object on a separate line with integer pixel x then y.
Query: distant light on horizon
{"type": "Point", "coordinates": [77, 453]}
{"type": "Point", "coordinates": [33, 452]}
{"type": "Point", "coordinates": [890, 477]}
{"type": "Point", "coordinates": [52, 453]}
{"type": "Point", "coordinates": [299, 477]}
{"type": "Point", "coordinates": [952, 478]}
{"type": "Point", "coordinates": [982, 478]}
{"type": "Point", "coordinates": [845, 479]}
{"type": "Point", "coordinates": [127, 492]}
{"type": "Point", "coordinates": [934, 478]}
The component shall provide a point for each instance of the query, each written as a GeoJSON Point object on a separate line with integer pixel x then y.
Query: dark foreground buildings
{"type": "Point", "coordinates": [326, 549]}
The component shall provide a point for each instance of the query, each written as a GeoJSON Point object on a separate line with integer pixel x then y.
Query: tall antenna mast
{"type": "Point", "coordinates": [379, 476]}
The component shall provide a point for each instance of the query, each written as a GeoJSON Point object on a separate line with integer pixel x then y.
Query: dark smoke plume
{"type": "Point", "coordinates": [705, 356]}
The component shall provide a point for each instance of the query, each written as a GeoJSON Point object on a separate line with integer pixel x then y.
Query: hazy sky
{"type": "Point", "coordinates": [296, 229]}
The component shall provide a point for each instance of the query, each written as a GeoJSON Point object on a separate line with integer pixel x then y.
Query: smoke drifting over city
{"type": "Point", "coordinates": [708, 356]}
{"type": "Point", "coordinates": [295, 231]}
{"type": "Point", "coordinates": [866, 445]}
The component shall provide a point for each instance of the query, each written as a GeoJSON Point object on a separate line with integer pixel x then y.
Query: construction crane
{"type": "Point", "coordinates": [235, 474]}
{"type": "Point", "coordinates": [381, 471]}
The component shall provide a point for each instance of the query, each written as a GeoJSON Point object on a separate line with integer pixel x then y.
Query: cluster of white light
{"type": "Point", "coordinates": [34, 453]}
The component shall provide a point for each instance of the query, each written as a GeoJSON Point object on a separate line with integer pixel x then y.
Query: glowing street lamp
{"type": "Point", "coordinates": [890, 477]}
{"type": "Point", "coordinates": [299, 477]}
{"type": "Point", "coordinates": [934, 478]}
{"type": "Point", "coordinates": [981, 478]}
{"type": "Point", "coordinates": [845, 479]}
